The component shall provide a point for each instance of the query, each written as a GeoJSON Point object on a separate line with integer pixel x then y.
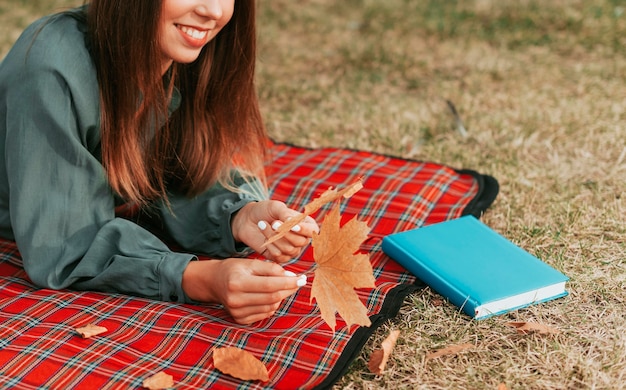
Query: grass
{"type": "Point", "coordinates": [540, 87]}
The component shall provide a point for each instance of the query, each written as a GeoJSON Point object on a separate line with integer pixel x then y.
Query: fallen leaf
{"type": "Point", "coordinates": [239, 364]}
{"type": "Point", "coordinates": [91, 330]}
{"type": "Point", "coordinates": [532, 327]}
{"type": "Point", "coordinates": [450, 350]}
{"type": "Point", "coordinates": [502, 386]}
{"type": "Point", "coordinates": [339, 270]}
{"type": "Point", "coordinates": [158, 381]}
{"type": "Point", "coordinates": [330, 195]}
{"type": "Point", "coordinates": [378, 359]}
{"type": "Point", "coordinates": [437, 302]}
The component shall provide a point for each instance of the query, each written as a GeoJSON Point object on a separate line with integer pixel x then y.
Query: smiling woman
{"type": "Point", "coordinates": [99, 112]}
{"type": "Point", "coordinates": [187, 26]}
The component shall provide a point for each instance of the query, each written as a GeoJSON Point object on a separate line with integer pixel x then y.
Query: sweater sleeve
{"type": "Point", "coordinates": [202, 224]}
{"type": "Point", "coordinates": [60, 204]}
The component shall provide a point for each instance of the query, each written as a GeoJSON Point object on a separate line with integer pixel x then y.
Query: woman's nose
{"type": "Point", "coordinates": [210, 9]}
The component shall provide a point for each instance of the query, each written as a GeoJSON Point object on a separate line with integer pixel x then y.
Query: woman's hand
{"type": "Point", "coordinates": [250, 290]}
{"type": "Point", "coordinates": [256, 222]}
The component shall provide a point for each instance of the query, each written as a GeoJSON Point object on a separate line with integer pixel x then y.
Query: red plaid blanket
{"type": "Point", "coordinates": [39, 347]}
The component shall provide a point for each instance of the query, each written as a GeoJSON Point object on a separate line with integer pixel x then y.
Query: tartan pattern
{"type": "Point", "coordinates": [39, 348]}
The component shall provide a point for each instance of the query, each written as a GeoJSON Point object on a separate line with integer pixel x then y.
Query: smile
{"type": "Point", "coordinates": [192, 32]}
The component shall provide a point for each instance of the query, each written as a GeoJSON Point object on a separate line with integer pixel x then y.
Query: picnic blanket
{"type": "Point", "coordinates": [40, 349]}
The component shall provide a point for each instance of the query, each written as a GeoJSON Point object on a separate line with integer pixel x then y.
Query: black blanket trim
{"type": "Point", "coordinates": [488, 188]}
{"type": "Point", "coordinates": [393, 302]}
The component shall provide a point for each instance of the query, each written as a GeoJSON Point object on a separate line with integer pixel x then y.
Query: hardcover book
{"type": "Point", "coordinates": [474, 267]}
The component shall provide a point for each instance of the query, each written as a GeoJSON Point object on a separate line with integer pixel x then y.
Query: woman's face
{"type": "Point", "coordinates": [187, 25]}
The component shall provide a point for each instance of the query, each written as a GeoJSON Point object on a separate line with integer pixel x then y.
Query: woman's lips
{"type": "Point", "coordinates": [195, 37]}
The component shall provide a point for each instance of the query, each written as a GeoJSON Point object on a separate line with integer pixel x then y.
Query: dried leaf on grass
{"type": "Point", "coordinates": [437, 302]}
{"type": "Point", "coordinates": [378, 359]}
{"type": "Point", "coordinates": [158, 381]}
{"type": "Point", "coordinates": [91, 330]}
{"type": "Point", "coordinates": [327, 196]}
{"type": "Point", "coordinates": [532, 327]}
{"type": "Point", "coordinates": [449, 350]}
{"type": "Point", "coordinates": [339, 270]}
{"type": "Point", "coordinates": [239, 364]}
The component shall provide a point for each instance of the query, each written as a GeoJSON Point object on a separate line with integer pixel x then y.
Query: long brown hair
{"type": "Point", "coordinates": [218, 125]}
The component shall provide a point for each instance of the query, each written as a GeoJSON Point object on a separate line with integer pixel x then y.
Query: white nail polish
{"type": "Point", "coordinates": [296, 228]}
{"type": "Point", "coordinates": [262, 225]}
{"type": "Point", "coordinates": [276, 225]}
{"type": "Point", "coordinates": [301, 282]}
{"type": "Point", "coordinates": [289, 273]}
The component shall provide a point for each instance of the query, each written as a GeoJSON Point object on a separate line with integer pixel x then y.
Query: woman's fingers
{"type": "Point", "coordinates": [256, 222]}
{"type": "Point", "coordinates": [263, 292]}
{"type": "Point", "coordinates": [251, 314]}
{"type": "Point", "coordinates": [287, 247]}
{"type": "Point", "coordinates": [291, 244]}
{"type": "Point", "coordinates": [268, 280]}
{"type": "Point", "coordinates": [250, 290]}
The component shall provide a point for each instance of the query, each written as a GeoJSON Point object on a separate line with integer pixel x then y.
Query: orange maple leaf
{"type": "Point", "coordinates": [340, 270]}
{"type": "Point", "coordinates": [239, 364]}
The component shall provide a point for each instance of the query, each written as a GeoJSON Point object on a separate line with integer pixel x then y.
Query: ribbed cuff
{"type": "Point", "coordinates": [171, 270]}
{"type": "Point", "coordinates": [227, 239]}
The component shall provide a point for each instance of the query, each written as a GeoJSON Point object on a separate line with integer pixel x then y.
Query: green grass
{"type": "Point", "coordinates": [541, 88]}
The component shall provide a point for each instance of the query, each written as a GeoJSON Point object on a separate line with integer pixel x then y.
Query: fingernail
{"type": "Point", "coordinates": [296, 228]}
{"type": "Point", "coordinates": [276, 225]}
{"type": "Point", "coordinates": [289, 273]}
{"type": "Point", "coordinates": [262, 225]}
{"type": "Point", "coordinates": [301, 281]}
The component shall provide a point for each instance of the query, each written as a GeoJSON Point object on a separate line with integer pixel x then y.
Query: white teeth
{"type": "Point", "coordinates": [192, 32]}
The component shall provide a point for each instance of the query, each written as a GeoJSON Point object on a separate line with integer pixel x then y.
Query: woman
{"type": "Point", "coordinates": [150, 104]}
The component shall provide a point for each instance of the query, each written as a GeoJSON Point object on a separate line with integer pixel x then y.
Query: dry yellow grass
{"type": "Point", "coordinates": [541, 88]}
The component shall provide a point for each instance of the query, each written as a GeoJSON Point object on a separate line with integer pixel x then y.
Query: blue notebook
{"type": "Point", "coordinates": [474, 267]}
